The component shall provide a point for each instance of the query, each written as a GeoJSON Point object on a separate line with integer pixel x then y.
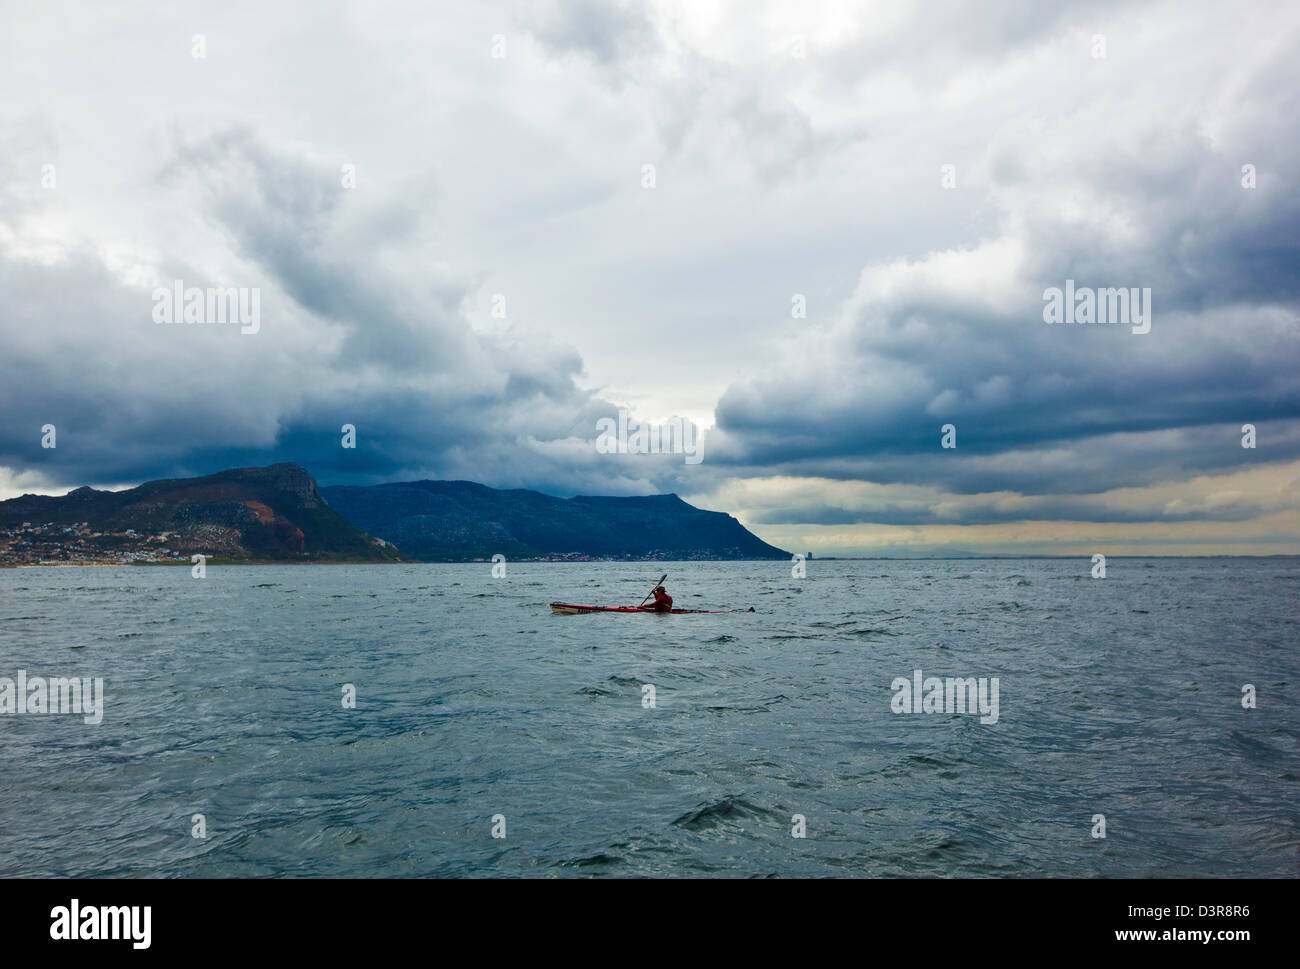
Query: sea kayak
{"type": "Point", "coordinates": [569, 609]}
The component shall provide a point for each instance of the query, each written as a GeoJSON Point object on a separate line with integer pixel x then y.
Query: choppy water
{"type": "Point", "coordinates": [1118, 696]}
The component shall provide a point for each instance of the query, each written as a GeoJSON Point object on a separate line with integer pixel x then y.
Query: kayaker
{"type": "Point", "coordinates": [663, 601]}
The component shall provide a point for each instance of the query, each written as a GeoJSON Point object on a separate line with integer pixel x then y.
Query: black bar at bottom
{"type": "Point", "coordinates": [642, 919]}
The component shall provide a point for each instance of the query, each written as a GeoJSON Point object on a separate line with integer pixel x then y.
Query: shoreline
{"type": "Point", "coordinates": [226, 563]}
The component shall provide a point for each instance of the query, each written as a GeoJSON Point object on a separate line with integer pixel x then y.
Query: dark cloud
{"type": "Point", "coordinates": [425, 392]}
{"type": "Point", "coordinates": [777, 175]}
{"type": "Point", "coordinates": [958, 337]}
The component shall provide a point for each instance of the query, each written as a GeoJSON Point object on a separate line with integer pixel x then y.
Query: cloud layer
{"type": "Point", "coordinates": [799, 153]}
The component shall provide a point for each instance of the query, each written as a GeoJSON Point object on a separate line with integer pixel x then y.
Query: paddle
{"type": "Point", "coordinates": [652, 591]}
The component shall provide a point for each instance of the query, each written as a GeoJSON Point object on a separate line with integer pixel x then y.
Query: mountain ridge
{"type": "Point", "coordinates": [440, 520]}
{"type": "Point", "coordinates": [278, 513]}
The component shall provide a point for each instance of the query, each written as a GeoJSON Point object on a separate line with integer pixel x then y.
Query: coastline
{"type": "Point", "coordinates": [225, 563]}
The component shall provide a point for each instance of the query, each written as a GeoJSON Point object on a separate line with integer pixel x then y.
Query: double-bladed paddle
{"type": "Point", "coordinates": [652, 591]}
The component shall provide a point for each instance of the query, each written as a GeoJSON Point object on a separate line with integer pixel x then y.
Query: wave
{"type": "Point", "coordinates": [728, 810]}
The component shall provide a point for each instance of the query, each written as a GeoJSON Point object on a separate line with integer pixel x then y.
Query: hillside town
{"type": "Point", "coordinates": [49, 543]}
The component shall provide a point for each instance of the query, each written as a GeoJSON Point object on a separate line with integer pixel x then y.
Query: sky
{"type": "Point", "coordinates": [820, 232]}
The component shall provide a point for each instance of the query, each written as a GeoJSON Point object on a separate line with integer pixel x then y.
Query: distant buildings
{"type": "Point", "coordinates": [50, 544]}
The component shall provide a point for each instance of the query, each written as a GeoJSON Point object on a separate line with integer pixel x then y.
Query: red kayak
{"type": "Point", "coordinates": [569, 609]}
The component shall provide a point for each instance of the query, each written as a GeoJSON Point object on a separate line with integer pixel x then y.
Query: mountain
{"type": "Point", "coordinates": [256, 514]}
{"type": "Point", "coordinates": [456, 521]}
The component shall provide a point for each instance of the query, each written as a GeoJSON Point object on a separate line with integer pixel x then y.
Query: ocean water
{"type": "Point", "coordinates": [1119, 697]}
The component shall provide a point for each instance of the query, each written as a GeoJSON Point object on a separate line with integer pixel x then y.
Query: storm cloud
{"type": "Point", "coordinates": [496, 274]}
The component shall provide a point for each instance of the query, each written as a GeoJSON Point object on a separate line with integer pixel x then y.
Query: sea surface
{"type": "Point", "coordinates": [1119, 697]}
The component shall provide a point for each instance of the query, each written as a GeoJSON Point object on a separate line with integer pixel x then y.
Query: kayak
{"type": "Point", "coordinates": [569, 609]}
